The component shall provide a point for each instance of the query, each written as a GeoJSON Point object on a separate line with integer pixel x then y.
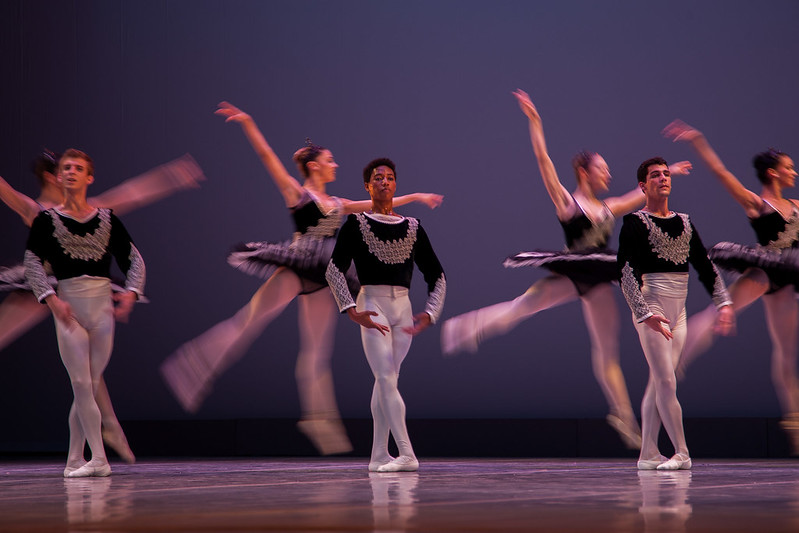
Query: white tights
{"type": "Point", "coordinates": [665, 294]}
{"type": "Point", "coordinates": [385, 354]}
{"type": "Point", "coordinates": [85, 345]}
{"type": "Point", "coordinates": [782, 313]}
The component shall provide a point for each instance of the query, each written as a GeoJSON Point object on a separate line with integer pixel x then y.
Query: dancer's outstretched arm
{"type": "Point", "coordinates": [160, 182]}
{"type": "Point", "coordinates": [24, 206]}
{"type": "Point", "coordinates": [431, 200]}
{"type": "Point", "coordinates": [680, 131]}
{"type": "Point", "coordinates": [289, 187]}
{"type": "Point", "coordinates": [564, 204]}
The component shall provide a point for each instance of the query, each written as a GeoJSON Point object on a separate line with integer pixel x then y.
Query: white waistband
{"type": "Point", "coordinates": [393, 291]}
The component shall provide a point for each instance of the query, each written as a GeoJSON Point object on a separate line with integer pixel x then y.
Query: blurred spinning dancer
{"type": "Point", "coordinates": [585, 271]}
{"type": "Point", "coordinates": [20, 311]}
{"type": "Point", "coordinates": [769, 269]}
{"type": "Point", "coordinates": [655, 247]}
{"type": "Point", "coordinates": [79, 241]}
{"type": "Point", "coordinates": [294, 269]}
{"type": "Point", "coordinates": [384, 247]}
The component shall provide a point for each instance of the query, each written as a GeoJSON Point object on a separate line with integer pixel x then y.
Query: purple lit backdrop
{"type": "Point", "coordinates": [428, 84]}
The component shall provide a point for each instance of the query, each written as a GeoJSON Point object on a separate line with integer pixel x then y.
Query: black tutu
{"type": "Point", "coordinates": [781, 266]}
{"type": "Point", "coordinates": [308, 258]}
{"type": "Point", "coordinates": [13, 279]}
{"type": "Point", "coordinates": [585, 268]}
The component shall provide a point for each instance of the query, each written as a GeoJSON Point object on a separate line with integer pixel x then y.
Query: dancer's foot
{"type": "Point", "coordinates": [94, 468]}
{"type": "Point", "coordinates": [459, 334]}
{"type": "Point", "coordinates": [680, 461]}
{"type": "Point", "coordinates": [403, 463]}
{"type": "Point", "coordinates": [115, 438]}
{"type": "Point", "coordinates": [790, 425]}
{"type": "Point", "coordinates": [629, 431]}
{"type": "Point", "coordinates": [188, 377]}
{"type": "Point", "coordinates": [327, 435]}
{"type": "Point", "coordinates": [72, 466]}
{"type": "Point", "coordinates": [375, 464]}
{"type": "Point", "coordinates": [651, 464]}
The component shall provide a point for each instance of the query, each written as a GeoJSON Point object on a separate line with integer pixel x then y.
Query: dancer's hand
{"type": "Point", "coordinates": [232, 113]}
{"type": "Point", "coordinates": [680, 131]}
{"type": "Point", "coordinates": [61, 310]}
{"type": "Point", "coordinates": [681, 168]}
{"type": "Point", "coordinates": [125, 302]}
{"type": "Point", "coordinates": [658, 323]}
{"type": "Point", "coordinates": [527, 106]}
{"type": "Point", "coordinates": [725, 321]}
{"type": "Point", "coordinates": [364, 318]}
{"type": "Point", "coordinates": [431, 200]}
{"type": "Point", "coordinates": [420, 323]}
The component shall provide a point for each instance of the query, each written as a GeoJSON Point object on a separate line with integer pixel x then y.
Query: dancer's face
{"type": "Point", "coordinates": [74, 174]}
{"type": "Point", "coordinates": [382, 184]}
{"type": "Point", "coordinates": [658, 182]}
{"type": "Point", "coordinates": [785, 172]}
{"type": "Point", "coordinates": [598, 174]}
{"type": "Point", "coordinates": [325, 166]}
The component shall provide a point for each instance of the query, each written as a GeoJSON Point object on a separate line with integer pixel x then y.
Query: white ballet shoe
{"type": "Point", "coordinates": [91, 469]}
{"type": "Point", "coordinates": [403, 463]}
{"type": "Point", "coordinates": [71, 468]}
{"type": "Point", "coordinates": [651, 464]}
{"type": "Point", "coordinates": [680, 461]}
{"type": "Point", "coordinates": [374, 465]}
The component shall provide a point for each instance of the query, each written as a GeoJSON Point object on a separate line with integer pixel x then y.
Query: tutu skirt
{"type": "Point", "coordinates": [585, 268]}
{"type": "Point", "coordinates": [781, 266]}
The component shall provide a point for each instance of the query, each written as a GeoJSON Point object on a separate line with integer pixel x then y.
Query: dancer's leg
{"type": "Point", "coordinates": [602, 319]}
{"type": "Point", "coordinates": [19, 312]}
{"type": "Point", "coordinates": [650, 427]}
{"type": "Point", "coordinates": [112, 429]}
{"type": "Point", "coordinates": [467, 331]}
{"type": "Point", "coordinates": [782, 312]}
{"type": "Point", "coordinates": [744, 291]}
{"type": "Point", "coordinates": [321, 421]}
{"type": "Point", "coordinates": [191, 370]}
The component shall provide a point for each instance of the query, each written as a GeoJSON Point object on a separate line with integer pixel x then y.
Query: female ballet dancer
{"type": "Point", "coordinates": [20, 311]}
{"type": "Point", "coordinates": [769, 270]}
{"type": "Point", "coordinates": [294, 269]}
{"type": "Point", "coordinates": [79, 241]}
{"type": "Point", "coordinates": [585, 271]}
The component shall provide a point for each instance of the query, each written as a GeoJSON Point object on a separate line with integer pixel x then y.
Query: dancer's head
{"type": "Point", "coordinates": [315, 160]}
{"type": "Point", "coordinates": [45, 166]}
{"type": "Point", "coordinates": [773, 164]}
{"type": "Point", "coordinates": [75, 169]}
{"type": "Point", "coordinates": [380, 178]}
{"type": "Point", "coordinates": [654, 177]}
{"type": "Point", "coordinates": [590, 168]}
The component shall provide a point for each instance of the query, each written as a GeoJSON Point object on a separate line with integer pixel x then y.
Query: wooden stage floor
{"type": "Point", "coordinates": [449, 495]}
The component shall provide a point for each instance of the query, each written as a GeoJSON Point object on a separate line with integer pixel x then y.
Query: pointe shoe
{"type": "Point", "coordinates": [403, 463]}
{"type": "Point", "coordinates": [459, 334]}
{"type": "Point", "coordinates": [328, 436]}
{"type": "Point", "coordinates": [91, 469]}
{"type": "Point", "coordinates": [680, 461]}
{"type": "Point", "coordinates": [628, 434]}
{"type": "Point", "coordinates": [119, 443]}
{"type": "Point", "coordinates": [374, 466]}
{"type": "Point", "coordinates": [187, 377]}
{"type": "Point", "coordinates": [651, 464]}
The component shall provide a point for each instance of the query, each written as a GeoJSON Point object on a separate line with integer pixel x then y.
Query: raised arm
{"type": "Point", "coordinates": [160, 182]}
{"type": "Point", "coordinates": [557, 192]}
{"type": "Point", "coordinates": [680, 131]}
{"type": "Point", "coordinates": [289, 187]}
{"type": "Point", "coordinates": [631, 201]}
{"type": "Point", "coordinates": [22, 205]}
{"type": "Point", "coordinates": [431, 200]}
